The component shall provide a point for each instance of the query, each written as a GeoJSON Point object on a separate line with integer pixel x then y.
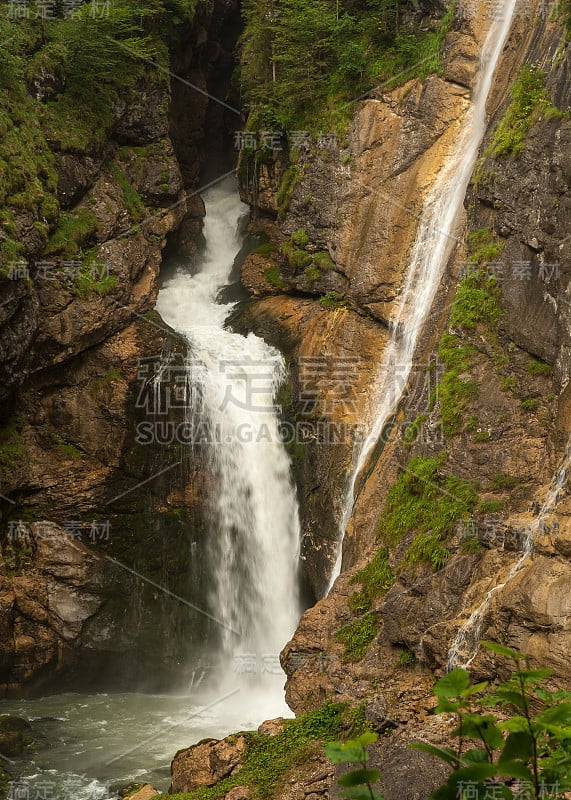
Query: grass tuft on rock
{"type": "Point", "coordinates": [269, 759]}
{"type": "Point", "coordinates": [358, 635]}
{"type": "Point", "coordinates": [427, 502]}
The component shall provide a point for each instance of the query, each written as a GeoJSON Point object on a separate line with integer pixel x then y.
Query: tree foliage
{"type": "Point", "coordinates": [305, 61]}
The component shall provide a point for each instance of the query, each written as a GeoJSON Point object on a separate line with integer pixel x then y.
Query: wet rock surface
{"type": "Point", "coordinates": [206, 763]}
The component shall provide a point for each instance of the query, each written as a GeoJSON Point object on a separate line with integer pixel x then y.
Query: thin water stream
{"type": "Point", "coordinates": [431, 252]}
{"type": "Point", "coordinates": [466, 644]}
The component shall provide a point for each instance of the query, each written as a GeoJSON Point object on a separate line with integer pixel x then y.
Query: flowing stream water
{"type": "Point", "coordinates": [87, 743]}
{"type": "Point", "coordinates": [433, 246]}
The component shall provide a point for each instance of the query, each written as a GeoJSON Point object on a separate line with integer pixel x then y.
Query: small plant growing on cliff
{"type": "Point", "coordinates": [358, 784]}
{"type": "Point", "coordinates": [333, 300]}
{"type": "Point", "coordinates": [358, 635]}
{"type": "Point", "coordinates": [530, 102]}
{"type": "Point", "coordinates": [300, 238]}
{"type": "Point", "coordinates": [533, 760]}
{"type": "Point", "coordinates": [406, 658]}
{"type": "Point", "coordinates": [323, 260]}
{"type": "Point", "coordinates": [272, 275]}
{"type": "Point", "coordinates": [290, 179]}
{"type": "Point", "coordinates": [536, 367]}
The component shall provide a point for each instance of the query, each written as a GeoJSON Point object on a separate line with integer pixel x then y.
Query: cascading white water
{"type": "Point", "coordinates": [431, 252]}
{"type": "Point", "coordinates": [466, 644]}
{"type": "Point", "coordinates": [94, 741]}
{"type": "Point", "coordinates": [254, 531]}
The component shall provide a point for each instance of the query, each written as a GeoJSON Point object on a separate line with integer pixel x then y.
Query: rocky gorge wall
{"type": "Point", "coordinates": [88, 503]}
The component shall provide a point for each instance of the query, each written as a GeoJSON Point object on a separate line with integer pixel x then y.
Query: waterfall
{"type": "Point", "coordinates": [253, 545]}
{"type": "Point", "coordinates": [430, 254]}
{"type": "Point", "coordinates": [466, 643]}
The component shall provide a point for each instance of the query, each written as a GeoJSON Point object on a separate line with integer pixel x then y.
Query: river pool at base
{"type": "Point", "coordinates": [89, 745]}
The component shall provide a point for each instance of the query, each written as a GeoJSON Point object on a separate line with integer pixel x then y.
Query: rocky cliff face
{"type": "Point", "coordinates": [507, 433]}
{"type": "Point", "coordinates": [80, 352]}
{"type": "Point", "coordinates": [493, 422]}
{"type": "Point", "coordinates": [359, 236]}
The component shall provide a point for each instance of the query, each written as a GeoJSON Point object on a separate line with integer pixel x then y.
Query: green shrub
{"type": "Point", "coordinates": [333, 300]}
{"type": "Point", "coordinates": [312, 274]}
{"type": "Point", "coordinates": [529, 404]}
{"type": "Point", "coordinates": [94, 277]}
{"type": "Point", "coordinates": [527, 748]}
{"type": "Point", "coordinates": [469, 545]}
{"type": "Point", "coordinates": [375, 579]}
{"type": "Point", "coordinates": [272, 275]}
{"type": "Point", "coordinates": [472, 424]}
{"type": "Point", "coordinates": [323, 260]}
{"type": "Point", "coordinates": [490, 506]}
{"type": "Point", "coordinates": [406, 658]}
{"type": "Point", "coordinates": [412, 430]}
{"type": "Point", "coordinates": [455, 353]}
{"type": "Point", "coordinates": [356, 784]}
{"type": "Point", "coordinates": [300, 238]}
{"type": "Point", "coordinates": [453, 394]}
{"type": "Point", "coordinates": [266, 249]}
{"type": "Point", "coordinates": [476, 302]}
{"type": "Point", "coordinates": [530, 743]}
{"type": "Point", "coordinates": [476, 305]}
{"type": "Point", "coordinates": [299, 260]}
{"type": "Point", "coordinates": [502, 481]}
{"type": "Point", "coordinates": [427, 502]}
{"type": "Point", "coordinates": [483, 247]}
{"type": "Point", "coordinates": [509, 383]}
{"type": "Point", "coordinates": [427, 548]}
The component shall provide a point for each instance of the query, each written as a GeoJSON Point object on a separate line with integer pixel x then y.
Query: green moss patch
{"type": "Point", "coordinates": [428, 502]}
{"type": "Point", "coordinates": [530, 102]}
{"type": "Point", "coordinates": [133, 202]}
{"type": "Point", "coordinates": [11, 449]}
{"type": "Point", "coordinates": [476, 308]}
{"type": "Point", "coordinates": [272, 275]}
{"type": "Point", "coordinates": [476, 301]}
{"type": "Point", "coordinates": [358, 635]}
{"type": "Point", "coordinates": [375, 579]}
{"type": "Point", "coordinates": [74, 231]}
{"type": "Point", "coordinates": [291, 177]}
